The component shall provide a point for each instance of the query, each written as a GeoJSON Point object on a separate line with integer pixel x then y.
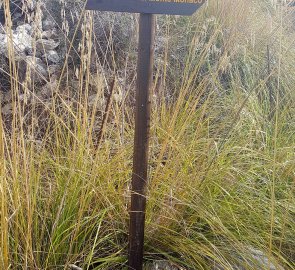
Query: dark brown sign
{"type": "Point", "coordinates": [147, 9]}
{"type": "Point", "coordinates": [172, 7]}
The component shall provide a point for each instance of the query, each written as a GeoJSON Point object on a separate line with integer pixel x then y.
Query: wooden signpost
{"type": "Point", "coordinates": [147, 9]}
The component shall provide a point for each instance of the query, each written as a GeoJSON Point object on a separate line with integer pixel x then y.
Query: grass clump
{"type": "Point", "coordinates": [222, 155]}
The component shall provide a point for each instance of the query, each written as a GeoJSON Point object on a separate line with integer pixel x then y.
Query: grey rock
{"type": "Point", "coordinates": [256, 259]}
{"type": "Point", "coordinates": [25, 97]}
{"type": "Point", "coordinates": [2, 40]}
{"type": "Point", "coordinates": [1, 95]}
{"type": "Point", "coordinates": [17, 16]}
{"type": "Point", "coordinates": [24, 28]}
{"type": "Point", "coordinates": [67, 14]}
{"type": "Point", "coordinates": [74, 267]}
{"type": "Point", "coordinates": [46, 45]}
{"type": "Point", "coordinates": [7, 97]}
{"type": "Point", "coordinates": [162, 265]}
{"type": "Point", "coordinates": [31, 4]}
{"type": "Point", "coordinates": [50, 34]}
{"type": "Point", "coordinates": [48, 24]}
{"type": "Point", "coordinates": [49, 88]}
{"type": "Point", "coordinates": [15, 8]}
{"type": "Point", "coordinates": [52, 57]}
{"type": "Point", "coordinates": [262, 259]}
{"type": "Point", "coordinates": [21, 41]}
{"type": "Point", "coordinates": [22, 38]}
{"type": "Point", "coordinates": [36, 68]}
{"type": "Point", "coordinates": [54, 69]}
{"type": "Point", "coordinates": [2, 30]}
{"type": "Point", "coordinates": [7, 109]}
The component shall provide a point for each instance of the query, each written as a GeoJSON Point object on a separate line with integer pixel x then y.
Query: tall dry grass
{"type": "Point", "coordinates": [222, 151]}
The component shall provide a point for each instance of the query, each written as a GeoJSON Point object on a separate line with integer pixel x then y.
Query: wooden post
{"type": "Point", "coordinates": [141, 140]}
{"type": "Point", "coordinates": [147, 9]}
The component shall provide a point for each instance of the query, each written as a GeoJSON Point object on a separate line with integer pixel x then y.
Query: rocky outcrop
{"type": "Point", "coordinates": [43, 31]}
{"type": "Point", "coordinates": [20, 40]}
{"type": "Point", "coordinates": [255, 259]}
{"type": "Point", "coordinates": [32, 47]}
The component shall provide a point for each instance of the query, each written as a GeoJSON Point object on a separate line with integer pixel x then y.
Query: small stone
{"type": "Point", "coordinates": [17, 16]}
{"type": "Point", "coordinates": [2, 38]}
{"type": "Point", "coordinates": [37, 69]}
{"type": "Point", "coordinates": [50, 34]}
{"type": "Point", "coordinates": [21, 41]}
{"type": "Point", "coordinates": [32, 4]}
{"type": "Point", "coordinates": [118, 97]}
{"type": "Point", "coordinates": [7, 96]}
{"type": "Point", "coordinates": [25, 97]}
{"type": "Point", "coordinates": [162, 265]}
{"type": "Point", "coordinates": [74, 267]}
{"type": "Point", "coordinates": [53, 69]}
{"type": "Point", "coordinates": [2, 30]}
{"type": "Point", "coordinates": [46, 44]}
{"type": "Point", "coordinates": [24, 28]}
{"type": "Point", "coordinates": [52, 57]}
{"type": "Point", "coordinates": [49, 88]}
{"type": "Point", "coordinates": [48, 25]}
{"type": "Point", "coordinates": [7, 109]}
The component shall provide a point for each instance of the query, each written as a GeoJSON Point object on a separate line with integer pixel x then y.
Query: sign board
{"type": "Point", "coordinates": [147, 9]}
{"type": "Point", "coordinates": [170, 7]}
